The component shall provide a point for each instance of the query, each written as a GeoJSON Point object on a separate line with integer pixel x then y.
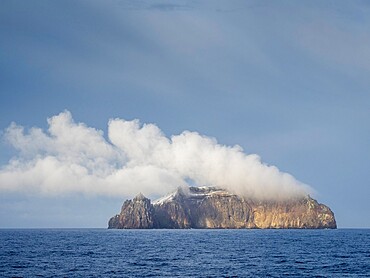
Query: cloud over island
{"type": "Point", "coordinates": [71, 157]}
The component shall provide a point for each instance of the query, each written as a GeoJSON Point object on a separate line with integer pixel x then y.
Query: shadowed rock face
{"type": "Point", "coordinates": [135, 214]}
{"type": "Point", "coordinates": [213, 208]}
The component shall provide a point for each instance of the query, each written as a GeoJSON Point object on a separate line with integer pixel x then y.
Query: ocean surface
{"type": "Point", "coordinates": [184, 253]}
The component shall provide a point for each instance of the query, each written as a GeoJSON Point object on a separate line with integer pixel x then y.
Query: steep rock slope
{"type": "Point", "coordinates": [135, 214]}
{"type": "Point", "coordinates": [210, 207]}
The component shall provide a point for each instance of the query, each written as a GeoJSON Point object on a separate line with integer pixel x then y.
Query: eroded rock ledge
{"type": "Point", "coordinates": [213, 208]}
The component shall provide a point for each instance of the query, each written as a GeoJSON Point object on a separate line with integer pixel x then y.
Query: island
{"type": "Point", "coordinates": [215, 208]}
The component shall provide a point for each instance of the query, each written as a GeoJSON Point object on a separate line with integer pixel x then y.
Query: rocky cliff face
{"type": "Point", "coordinates": [209, 207]}
{"type": "Point", "coordinates": [135, 214]}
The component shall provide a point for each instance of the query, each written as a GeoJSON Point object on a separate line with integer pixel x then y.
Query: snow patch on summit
{"type": "Point", "coordinates": [165, 199]}
{"type": "Point", "coordinates": [193, 192]}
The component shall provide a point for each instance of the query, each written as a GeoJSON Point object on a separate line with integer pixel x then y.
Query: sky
{"type": "Point", "coordinates": [279, 85]}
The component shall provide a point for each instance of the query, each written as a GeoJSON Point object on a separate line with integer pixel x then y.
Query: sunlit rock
{"type": "Point", "coordinates": [214, 208]}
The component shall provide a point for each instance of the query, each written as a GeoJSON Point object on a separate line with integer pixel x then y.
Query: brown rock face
{"type": "Point", "coordinates": [209, 207]}
{"type": "Point", "coordinates": [135, 214]}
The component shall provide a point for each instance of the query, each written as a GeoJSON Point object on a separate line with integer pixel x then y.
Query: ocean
{"type": "Point", "coordinates": [184, 253]}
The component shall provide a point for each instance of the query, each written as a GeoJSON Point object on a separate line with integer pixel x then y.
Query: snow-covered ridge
{"type": "Point", "coordinates": [192, 192]}
{"type": "Point", "coordinates": [165, 199]}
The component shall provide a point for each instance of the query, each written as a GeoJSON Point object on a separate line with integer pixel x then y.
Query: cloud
{"type": "Point", "coordinates": [71, 157]}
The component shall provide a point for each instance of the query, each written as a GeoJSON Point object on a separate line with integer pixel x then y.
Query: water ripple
{"type": "Point", "coordinates": [184, 253]}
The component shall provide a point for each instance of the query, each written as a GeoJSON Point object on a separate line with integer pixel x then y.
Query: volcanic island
{"type": "Point", "coordinates": [216, 208]}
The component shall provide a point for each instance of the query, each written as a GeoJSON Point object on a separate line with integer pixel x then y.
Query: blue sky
{"type": "Point", "coordinates": [287, 80]}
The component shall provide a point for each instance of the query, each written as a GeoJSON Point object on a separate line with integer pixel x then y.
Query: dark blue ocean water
{"type": "Point", "coordinates": [184, 253]}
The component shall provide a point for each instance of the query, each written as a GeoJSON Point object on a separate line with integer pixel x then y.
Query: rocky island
{"type": "Point", "coordinates": [214, 208]}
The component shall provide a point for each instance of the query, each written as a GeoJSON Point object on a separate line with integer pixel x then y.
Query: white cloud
{"type": "Point", "coordinates": [72, 157]}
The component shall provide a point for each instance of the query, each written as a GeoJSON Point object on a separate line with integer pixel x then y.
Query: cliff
{"type": "Point", "coordinates": [213, 208]}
